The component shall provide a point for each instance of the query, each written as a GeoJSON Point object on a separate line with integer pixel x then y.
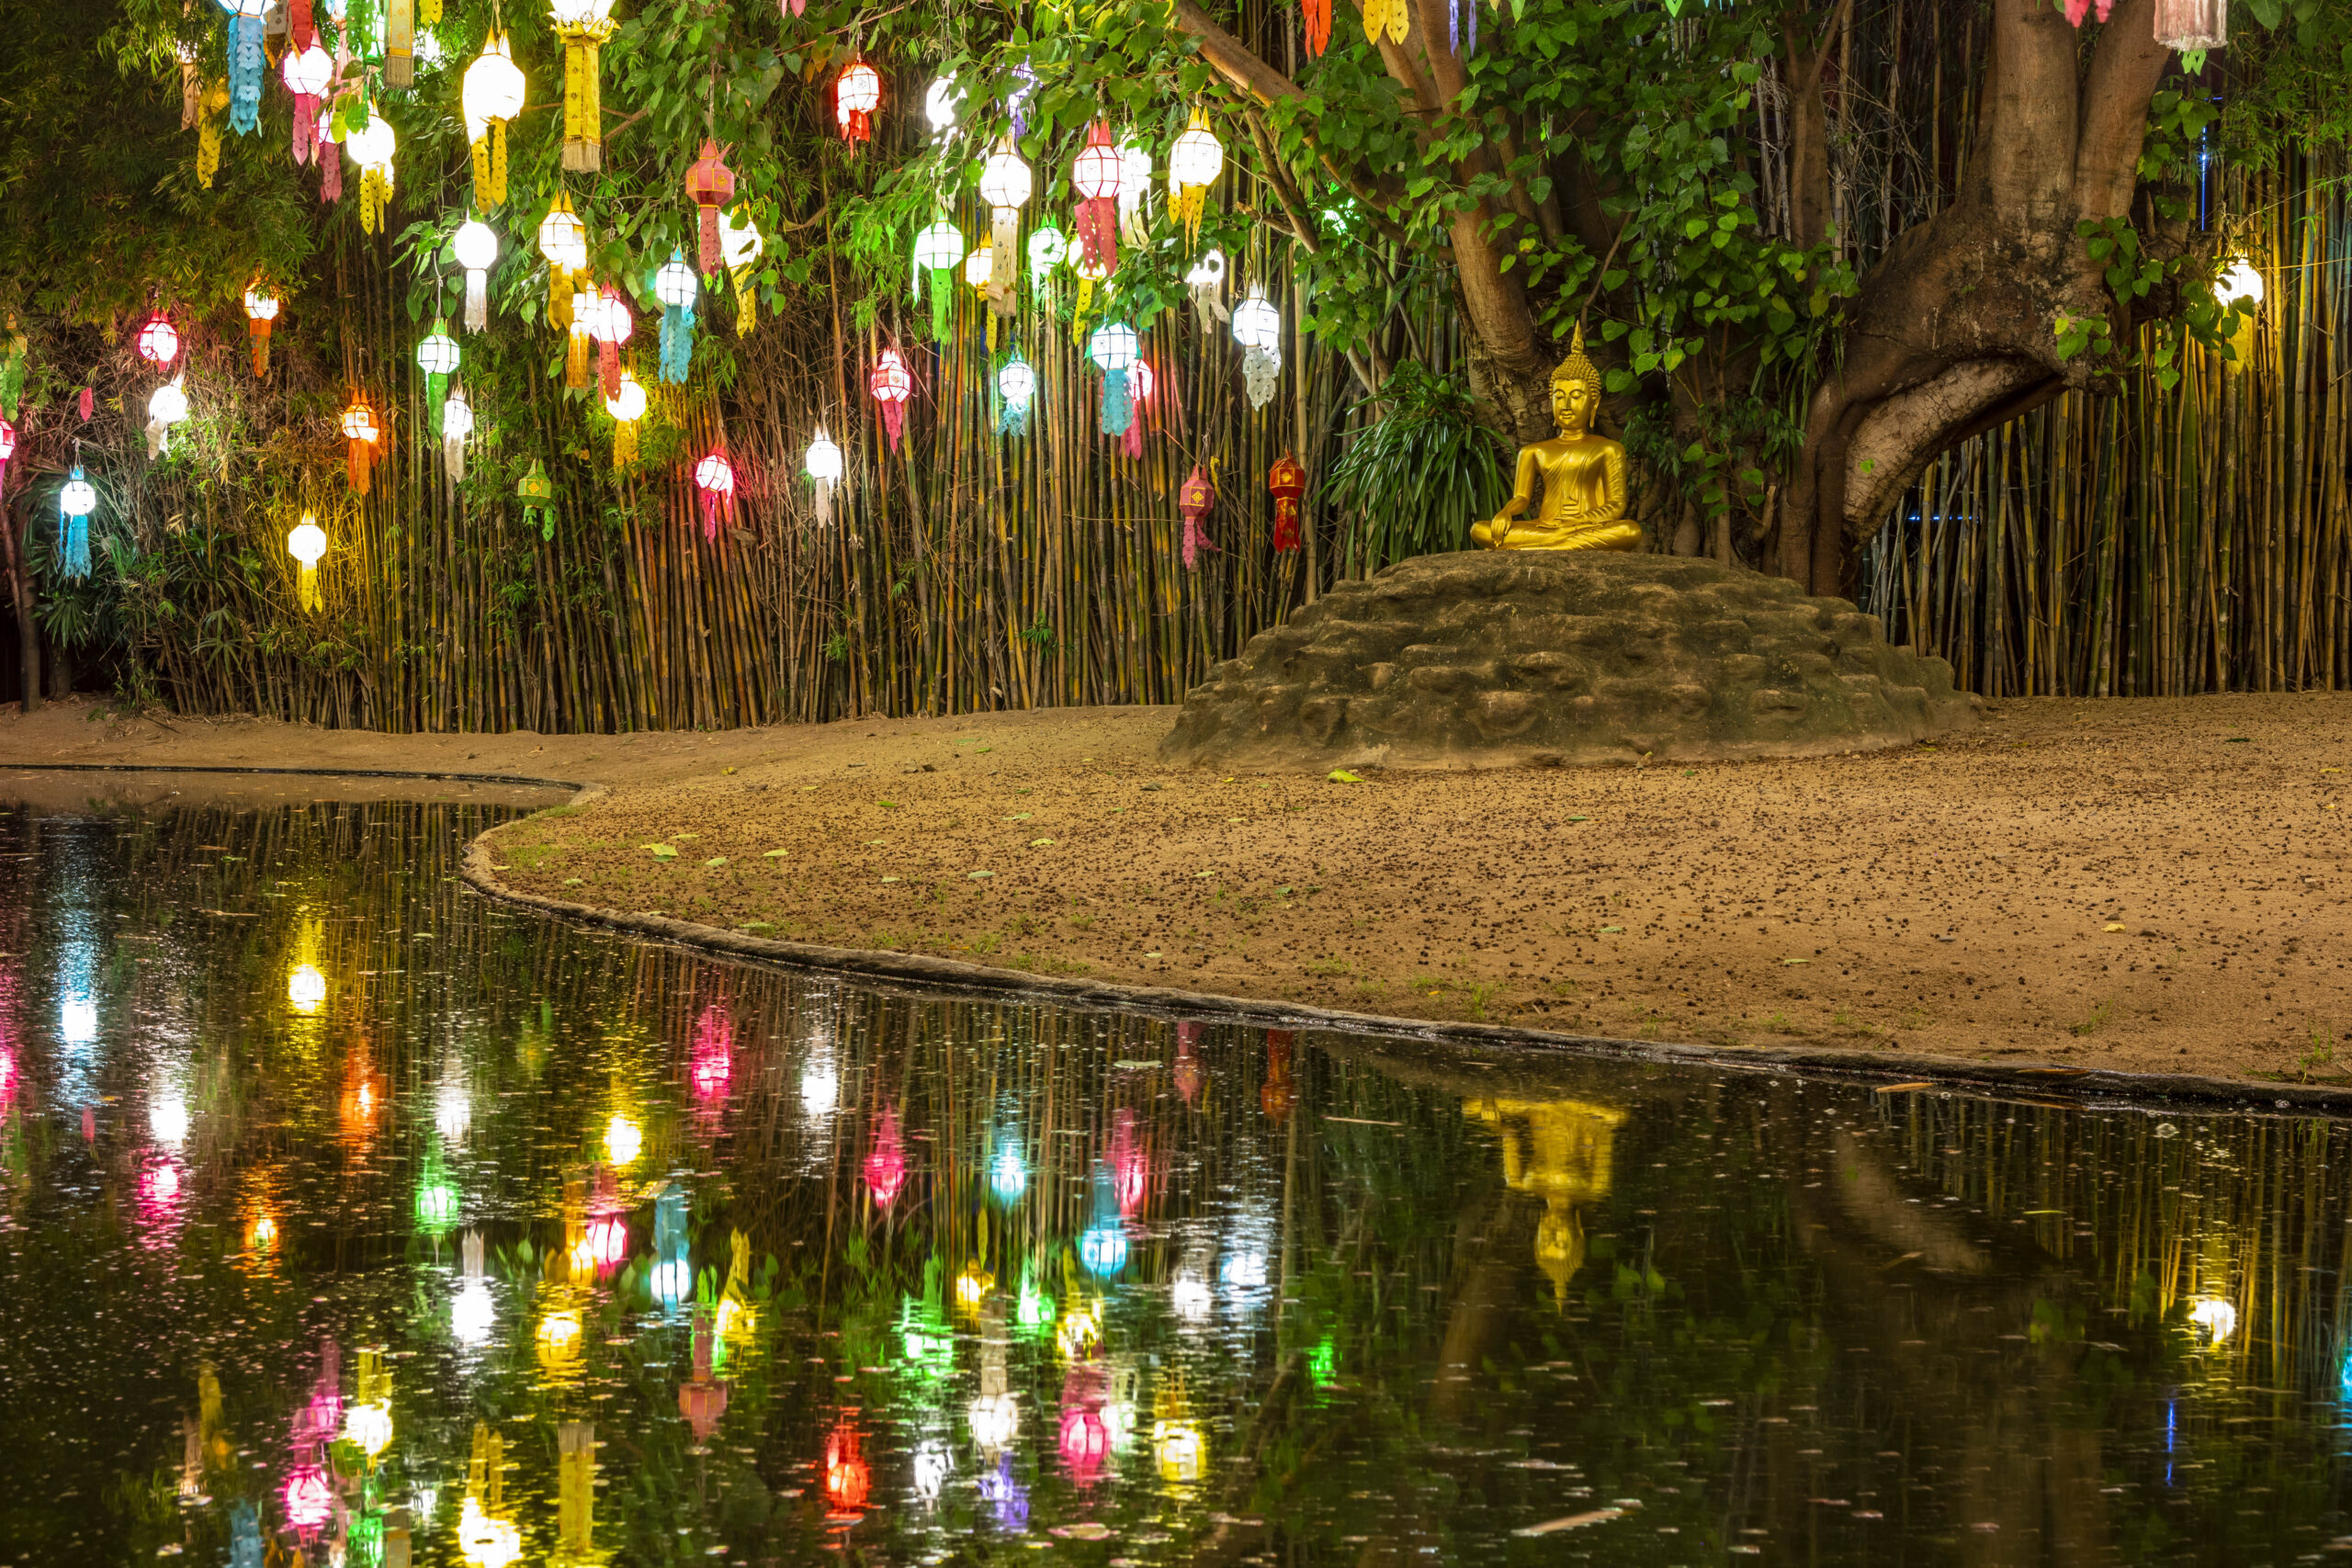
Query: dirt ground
{"type": "Point", "coordinates": [2146, 885]}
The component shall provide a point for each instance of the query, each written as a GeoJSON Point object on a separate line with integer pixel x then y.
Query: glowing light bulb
{"type": "Point", "coordinates": [623, 1140]}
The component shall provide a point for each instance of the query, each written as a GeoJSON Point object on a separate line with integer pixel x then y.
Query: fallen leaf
{"type": "Point", "coordinates": [573, 880]}
{"type": "Point", "coordinates": [1205, 873]}
{"type": "Point", "coordinates": [1341, 775]}
{"type": "Point", "coordinates": [1605, 930]}
{"type": "Point", "coordinates": [661, 851]}
{"type": "Point", "coordinates": [716, 860]}
{"type": "Point", "coordinates": [1019, 816]}
{"type": "Point", "coordinates": [887, 804]}
{"type": "Point", "coordinates": [775, 854]}
{"type": "Point", "coordinates": [1574, 1521]}
{"type": "Point", "coordinates": [890, 879]}
{"type": "Point", "coordinates": [1901, 1088]}
{"type": "Point", "coordinates": [1785, 962]}
{"type": "Point", "coordinates": [726, 770]}
{"type": "Point", "coordinates": [1041, 843]}
{"type": "Point", "coordinates": [2112, 926]}
{"type": "Point", "coordinates": [976, 875]}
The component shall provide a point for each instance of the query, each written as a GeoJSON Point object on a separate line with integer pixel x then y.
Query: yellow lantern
{"type": "Point", "coordinates": [371, 147]}
{"type": "Point", "coordinates": [583, 25]}
{"type": "Point", "coordinates": [563, 241]}
{"type": "Point", "coordinates": [626, 407]}
{"type": "Point", "coordinates": [740, 244]}
{"type": "Point", "coordinates": [491, 96]}
{"type": "Point", "coordinates": [307, 542]}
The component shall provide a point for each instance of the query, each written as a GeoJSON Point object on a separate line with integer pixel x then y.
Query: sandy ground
{"type": "Point", "coordinates": [2137, 884]}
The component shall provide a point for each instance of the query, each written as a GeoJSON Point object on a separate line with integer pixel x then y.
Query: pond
{"type": "Point", "coordinates": [343, 1211]}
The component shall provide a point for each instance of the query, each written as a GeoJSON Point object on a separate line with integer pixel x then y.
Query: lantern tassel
{"type": "Point", "coordinates": [244, 74]}
{"type": "Point", "coordinates": [77, 546]}
{"type": "Point", "coordinates": [709, 257]}
{"type": "Point", "coordinates": [375, 189]}
{"type": "Point", "coordinates": [1135, 437]}
{"type": "Point", "coordinates": [158, 439]}
{"type": "Point", "coordinates": [357, 468]}
{"type": "Point", "coordinates": [208, 132]}
{"type": "Point", "coordinates": [306, 127]}
{"type": "Point", "coordinates": [942, 303]}
{"type": "Point", "coordinates": [576, 372]}
{"type": "Point", "coordinates": [1259, 374]}
{"type": "Point", "coordinates": [437, 392]}
{"type": "Point", "coordinates": [558, 299]}
{"type": "Point", "coordinates": [399, 43]}
{"type": "Point", "coordinates": [191, 93]}
{"type": "Point", "coordinates": [490, 165]}
{"type": "Point", "coordinates": [624, 443]}
{"type": "Point", "coordinates": [261, 348]}
{"type": "Point", "coordinates": [1118, 410]}
{"type": "Point", "coordinates": [477, 300]}
{"type": "Point", "coordinates": [894, 420]}
{"type": "Point", "coordinates": [1317, 16]}
{"type": "Point", "coordinates": [824, 503]}
{"type": "Point", "coordinates": [608, 366]}
{"type": "Point", "coordinates": [584, 109]}
{"type": "Point", "coordinates": [308, 585]}
{"type": "Point", "coordinates": [453, 456]}
{"type": "Point", "coordinates": [1098, 232]}
{"type": "Point", "coordinates": [1004, 258]}
{"type": "Point", "coordinates": [677, 343]}
{"type": "Point", "coordinates": [747, 313]}
{"type": "Point", "coordinates": [330, 172]}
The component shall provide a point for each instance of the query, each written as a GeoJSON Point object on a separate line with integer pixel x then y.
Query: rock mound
{"type": "Point", "coordinates": [1507, 659]}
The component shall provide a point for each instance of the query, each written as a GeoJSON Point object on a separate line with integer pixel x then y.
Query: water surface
{"type": "Point", "coordinates": [763, 1266]}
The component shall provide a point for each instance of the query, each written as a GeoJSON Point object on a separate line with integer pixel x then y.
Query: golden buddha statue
{"type": "Point", "coordinates": [1565, 1159]}
{"type": "Point", "coordinates": [1584, 477]}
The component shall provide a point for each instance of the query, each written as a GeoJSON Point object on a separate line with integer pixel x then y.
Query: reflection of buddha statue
{"type": "Point", "coordinates": [1565, 1160]}
{"type": "Point", "coordinates": [1583, 474]}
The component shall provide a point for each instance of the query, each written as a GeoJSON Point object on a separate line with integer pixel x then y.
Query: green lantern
{"type": "Point", "coordinates": [538, 494]}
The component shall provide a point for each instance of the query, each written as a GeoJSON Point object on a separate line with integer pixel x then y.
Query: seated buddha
{"type": "Point", "coordinates": [1583, 475]}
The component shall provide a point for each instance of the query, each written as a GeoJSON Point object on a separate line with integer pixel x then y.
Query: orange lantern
{"type": "Point", "coordinates": [359, 429]}
{"type": "Point", "coordinates": [891, 386]}
{"type": "Point", "coordinates": [1277, 1094]}
{"type": "Point", "coordinates": [261, 309]}
{"type": "Point", "coordinates": [848, 1478]}
{"type": "Point", "coordinates": [856, 96]}
{"type": "Point", "coordinates": [711, 183]}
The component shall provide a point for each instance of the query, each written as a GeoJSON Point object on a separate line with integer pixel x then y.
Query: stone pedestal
{"type": "Point", "coordinates": [1506, 659]}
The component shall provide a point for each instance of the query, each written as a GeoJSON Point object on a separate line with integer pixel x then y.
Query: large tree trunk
{"type": "Point", "coordinates": [1955, 331]}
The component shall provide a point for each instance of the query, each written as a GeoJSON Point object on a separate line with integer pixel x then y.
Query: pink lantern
{"type": "Point", "coordinates": [715, 478]}
{"type": "Point", "coordinates": [703, 1400]}
{"type": "Point", "coordinates": [159, 342]}
{"type": "Point", "coordinates": [891, 386]}
{"type": "Point", "coordinates": [1130, 1168]}
{"type": "Point", "coordinates": [308, 1499]}
{"type": "Point", "coordinates": [7, 450]}
{"type": "Point", "coordinates": [1085, 1443]}
{"type": "Point", "coordinates": [607, 1243]}
{"type": "Point", "coordinates": [1095, 175]}
{"type": "Point", "coordinates": [308, 71]}
{"type": "Point", "coordinates": [885, 1167]}
{"type": "Point", "coordinates": [610, 324]}
{"type": "Point", "coordinates": [711, 183]}
{"type": "Point", "coordinates": [713, 1054]}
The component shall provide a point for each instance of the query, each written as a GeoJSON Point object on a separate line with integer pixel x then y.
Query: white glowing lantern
{"type": "Point", "coordinates": [941, 103]}
{"type": "Point", "coordinates": [622, 1140]}
{"type": "Point", "coordinates": [674, 284]}
{"type": "Point", "coordinates": [438, 353]}
{"type": "Point", "coordinates": [373, 144]}
{"type": "Point", "coordinates": [2238, 281]}
{"type": "Point", "coordinates": [628, 403]}
{"type": "Point", "coordinates": [306, 989]}
{"type": "Point", "coordinates": [978, 266]}
{"type": "Point", "coordinates": [167, 1118]}
{"type": "Point", "coordinates": [458, 416]}
{"type": "Point", "coordinates": [939, 247]}
{"type": "Point", "coordinates": [1017, 382]}
{"type": "Point", "coordinates": [1005, 179]}
{"type": "Point", "coordinates": [476, 248]}
{"type": "Point", "coordinates": [995, 1418]}
{"type": "Point", "coordinates": [824, 459]}
{"type": "Point", "coordinates": [307, 543]}
{"type": "Point", "coordinates": [1256, 322]}
{"type": "Point", "coordinates": [370, 1426]}
{"type": "Point", "coordinates": [166, 406]}
{"type": "Point", "coordinates": [1191, 1298]}
{"type": "Point", "coordinates": [471, 1313]}
{"type": "Point", "coordinates": [1115, 345]}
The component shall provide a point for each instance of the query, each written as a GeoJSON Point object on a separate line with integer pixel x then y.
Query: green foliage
{"type": "Point", "coordinates": [1418, 475]}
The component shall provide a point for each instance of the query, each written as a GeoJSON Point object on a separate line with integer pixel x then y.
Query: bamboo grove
{"type": "Point", "coordinates": [2137, 539]}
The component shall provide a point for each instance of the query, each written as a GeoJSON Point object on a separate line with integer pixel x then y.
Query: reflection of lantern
{"type": "Point", "coordinates": [261, 309]}
{"type": "Point", "coordinates": [307, 543]}
{"type": "Point", "coordinates": [559, 1339]}
{"type": "Point", "coordinates": [937, 250]}
{"type": "Point", "coordinates": [886, 1166]}
{"type": "Point", "coordinates": [484, 1541]}
{"type": "Point", "coordinates": [76, 499]}
{"type": "Point", "coordinates": [1287, 482]}
{"type": "Point", "coordinates": [1008, 1176]}
{"type": "Point", "coordinates": [1115, 347]}
{"type": "Point", "coordinates": [856, 95]}
{"type": "Point", "coordinates": [159, 342]}
{"type": "Point", "coordinates": [673, 1275]}
{"type": "Point", "coordinates": [306, 989]}
{"type": "Point", "coordinates": [308, 1499]}
{"type": "Point", "coordinates": [1096, 174]}
{"type": "Point", "coordinates": [702, 1399]}
{"type": "Point", "coordinates": [361, 435]}
{"type": "Point", "coordinates": [584, 26]}
{"type": "Point", "coordinates": [307, 72]}
{"type": "Point", "coordinates": [824, 464]}
{"type": "Point", "coordinates": [972, 1286]}
{"type": "Point", "coordinates": [1103, 1249]}
{"type": "Point", "coordinates": [675, 287]}
{"type": "Point", "coordinates": [2216, 1317]}
{"type": "Point", "coordinates": [713, 1053]}
{"type": "Point", "coordinates": [1085, 1442]}
{"type": "Point", "coordinates": [710, 184]}
{"type": "Point", "coordinates": [623, 1140]}
{"type": "Point", "coordinates": [1189, 1075]}
{"type": "Point", "coordinates": [476, 248]}
{"type": "Point", "coordinates": [563, 242]}
{"type": "Point", "coordinates": [490, 96]}
{"type": "Point", "coordinates": [1277, 1094]}
{"type": "Point", "coordinates": [933, 1466]}
{"type": "Point", "coordinates": [739, 245]}
{"type": "Point", "coordinates": [166, 406]}
{"type": "Point", "coordinates": [1179, 1449]}
{"type": "Point", "coordinates": [891, 386]}
{"type": "Point", "coordinates": [994, 1418]}
{"type": "Point", "coordinates": [1130, 1168]}
{"type": "Point", "coordinates": [1016, 387]}
{"type": "Point", "coordinates": [715, 478]}
{"type": "Point", "coordinates": [1193, 163]}
{"type": "Point", "coordinates": [848, 1478]}
{"type": "Point", "coordinates": [1190, 1297]}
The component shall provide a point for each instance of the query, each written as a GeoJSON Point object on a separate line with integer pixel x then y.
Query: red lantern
{"type": "Point", "coordinates": [1196, 498]}
{"type": "Point", "coordinates": [857, 93]}
{"type": "Point", "coordinates": [711, 183]}
{"type": "Point", "coordinates": [1287, 481]}
{"type": "Point", "coordinates": [610, 324]}
{"type": "Point", "coordinates": [715, 477]}
{"type": "Point", "coordinates": [891, 386]}
{"type": "Point", "coordinates": [359, 429]}
{"type": "Point", "coordinates": [848, 1478]}
{"type": "Point", "coordinates": [1095, 175]}
{"type": "Point", "coordinates": [885, 1167]}
{"type": "Point", "coordinates": [159, 342]}
{"type": "Point", "coordinates": [1085, 1442]}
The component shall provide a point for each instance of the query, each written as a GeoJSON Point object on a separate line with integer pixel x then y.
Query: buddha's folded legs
{"type": "Point", "coordinates": [1619, 535]}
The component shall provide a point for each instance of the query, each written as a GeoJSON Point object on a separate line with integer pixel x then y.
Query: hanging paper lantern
{"type": "Point", "coordinates": [1206, 281]}
{"type": "Point", "coordinates": [675, 285]}
{"type": "Point", "coordinates": [536, 492]}
{"type": "Point", "coordinates": [715, 478]}
{"type": "Point", "coordinates": [1316, 14]}
{"type": "Point", "coordinates": [978, 268]}
{"type": "Point", "coordinates": [891, 386]}
{"type": "Point", "coordinates": [1193, 164]}
{"type": "Point", "coordinates": [711, 184]}
{"type": "Point", "coordinates": [1288, 481]}
{"type": "Point", "coordinates": [2192, 27]}
{"type": "Point", "coordinates": [7, 450]}
{"type": "Point", "coordinates": [76, 501]}
{"type": "Point", "coordinates": [857, 93]}
{"type": "Point", "coordinates": [491, 96]}
{"type": "Point", "coordinates": [1393, 17]}
{"type": "Point", "coordinates": [2238, 281]}
{"type": "Point", "coordinates": [166, 406]}
{"type": "Point", "coordinates": [580, 347]}
{"type": "Point", "coordinates": [937, 250]}
{"type": "Point", "coordinates": [626, 407]}
{"type": "Point", "coordinates": [456, 423]}
{"type": "Point", "coordinates": [610, 323]}
{"type": "Point", "coordinates": [399, 43]}
{"type": "Point", "coordinates": [1115, 347]}
{"type": "Point", "coordinates": [1006, 185]}
{"type": "Point", "coordinates": [1047, 249]}
{"type": "Point", "coordinates": [739, 245]}
{"type": "Point", "coordinates": [245, 63]}
{"type": "Point", "coordinates": [371, 147]}
{"type": "Point", "coordinates": [824, 464]}
{"type": "Point", "coordinates": [1258, 328]}
{"type": "Point", "coordinates": [584, 26]}
{"type": "Point", "coordinates": [1195, 500]}
{"type": "Point", "coordinates": [476, 247]}
{"type": "Point", "coordinates": [307, 74]}
{"type": "Point", "coordinates": [1097, 176]}
{"type": "Point", "coordinates": [940, 103]}
{"type": "Point", "coordinates": [307, 543]}
{"type": "Point", "coordinates": [191, 83]}
{"type": "Point", "coordinates": [438, 356]}
{"type": "Point", "coordinates": [261, 309]}
{"type": "Point", "coordinates": [1135, 184]}
{"type": "Point", "coordinates": [563, 242]}
{"type": "Point", "coordinates": [361, 435]}
{"type": "Point", "coordinates": [159, 342]}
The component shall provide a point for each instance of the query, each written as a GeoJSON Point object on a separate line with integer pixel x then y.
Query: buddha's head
{"type": "Point", "coordinates": [1575, 390]}
{"type": "Point", "coordinates": [1559, 1246]}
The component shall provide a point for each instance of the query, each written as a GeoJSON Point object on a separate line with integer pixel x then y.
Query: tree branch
{"type": "Point", "coordinates": [2028, 159]}
{"type": "Point", "coordinates": [2126, 65]}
